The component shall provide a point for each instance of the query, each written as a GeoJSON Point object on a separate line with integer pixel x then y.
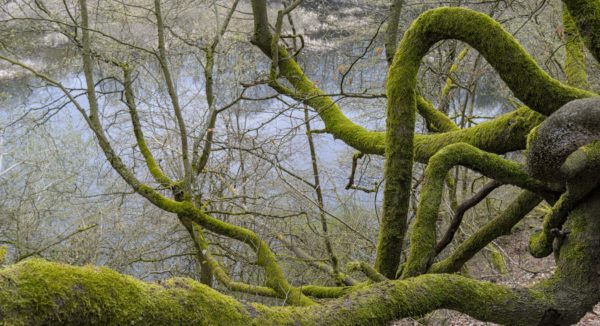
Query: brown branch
{"type": "Point", "coordinates": [460, 212]}
{"type": "Point", "coordinates": [357, 156]}
{"type": "Point", "coordinates": [164, 65]}
{"type": "Point", "coordinates": [57, 242]}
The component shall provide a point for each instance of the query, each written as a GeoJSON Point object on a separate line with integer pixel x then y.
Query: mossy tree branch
{"type": "Point", "coordinates": [423, 236]}
{"type": "Point", "coordinates": [511, 61]}
{"type": "Point", "coordinates": [575, 55]}
{"type": "Point", "coordinates": [70, 295]}
{"type": "Point", "coordinates": [366, 269]}
{"type": "Point", "coordinates": [581, 167]}
{"type": "Point", "coordinates": [500, 225]}
{"type": "Point", "coordinates": [151, 163]}
{"type": "Point", "coordinates": [108, 298]}
{"type": "Point", "coordinates": [515, 66]}
{"type": "Point", "coordinates": [166, 71]}
{"type": "Point", "coordinates": [586, 15]}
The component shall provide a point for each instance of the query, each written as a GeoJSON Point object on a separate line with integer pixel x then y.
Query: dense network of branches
{"type": "Point", "coordinates": [562, 171]}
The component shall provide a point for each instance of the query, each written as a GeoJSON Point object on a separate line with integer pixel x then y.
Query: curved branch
{"type": "Point", "coordinates": [366, 269]}
{"type": "Point", "coordinates": [153, 167]}
{"type": "Point", "coordinates": [423, 236]}
{"type": "Point", "coordinates": [500, 225]}
{"type": "Point", "coordinates": [515, 66]}
{"type": "Point", "coordinates": [435, 120]}
{"type": "Point", "coordinates": [460, 212]}
{"type": "Point", "coordinates": [581, 168]}
{"type": "Point", "coordinates": [39, 292]}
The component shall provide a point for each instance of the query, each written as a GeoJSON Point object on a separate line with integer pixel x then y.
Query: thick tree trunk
{"type": "Point", "coordinates": [36, 292]}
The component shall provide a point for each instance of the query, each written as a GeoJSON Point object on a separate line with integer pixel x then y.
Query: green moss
{"type": "Point", "coordinates": [575, 56]}
{"type": "Point", "coordinates": [3, 250]}
{"type": "Point", "coordinates": [423, 234]}
{"type": "Point", "coordinates": [399, 156]}
{"type": "Point", "coordinates": [586, 15]}
{"type": "Point", "coordinates": [498, 260]}
{"type": "Point", "coordinates": [327, 291]}
{"type": "Point", "coordinates": [498, 226]}
{"type": "Point", "coordinates": [366, 269]}
{"type": "Point", "coordinates": [583, 161]}
{"type": "Point", "coordinates": [435, 120]}
{"type": "Point", "coordinates": [37, 292]}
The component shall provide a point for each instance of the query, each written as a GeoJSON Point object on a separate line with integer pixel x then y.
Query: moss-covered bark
{"type": "Point", "coordinates": [500, 225]}
{"type": "Point", "coordinates": [515, 66]}
{"type": "Point", "coordinates": [399, 155]}
{"type": "Point", "coordinates": [510, 130]}
{"type": "Point", "coordinates": [36, 292]}
{"type": "Point", "coordinates": [575, 55]}
{"type": "Point", "coordinates": [484, 34]}
{"type": "Point", "coordinates": [435, 120]}
{"type": "Point", "coordinates": [366, 269]}
{"type": "Point", "coordinates": [423, 235]}
{"type": "Point", "coordinates": [586, 14]}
